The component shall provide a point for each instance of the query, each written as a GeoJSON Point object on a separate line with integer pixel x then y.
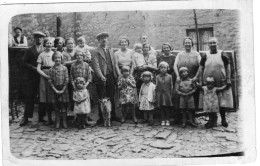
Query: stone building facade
{"type": "Point", "coordinates": [160, 26]}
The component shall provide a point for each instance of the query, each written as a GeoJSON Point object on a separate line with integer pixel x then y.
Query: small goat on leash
{"type": "Point", "coordinates": [105, 106]}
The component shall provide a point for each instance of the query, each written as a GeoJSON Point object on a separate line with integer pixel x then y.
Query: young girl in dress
{"type": "Point", "coordinates": [164, 90]}
{"type": "Point", "coordinates": [59, 79]}
{"type": "Point", "coordinates": [185, 88]}
{"type": "Point", "coordinates": [147, 97]}
{"type": "Point", "coordinates": [210, 101]}
{"type": "Point", "coordinates": [44, 64]}
{"type": "Point", "coordinates": [82, 47]}
{"type": "Point", "coordinates": [81, 102]}
{"type": "Point", "coordinates": [80, 69]}
{"type": "Point", "coordinates": [126, 86]}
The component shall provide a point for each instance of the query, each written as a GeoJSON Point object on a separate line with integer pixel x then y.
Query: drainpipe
{"type": "Point", "coordinates": [197, 31]}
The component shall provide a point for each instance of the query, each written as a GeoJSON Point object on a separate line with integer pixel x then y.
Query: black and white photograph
{"type": "Point", "coordinates": [133, 83]}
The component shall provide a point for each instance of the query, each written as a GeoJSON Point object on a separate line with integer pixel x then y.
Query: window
{"type": "Point", "coordinates": [204, 35]}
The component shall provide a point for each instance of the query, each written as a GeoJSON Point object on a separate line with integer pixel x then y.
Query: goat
{"type": "Point", "coordinates": [105, 106]}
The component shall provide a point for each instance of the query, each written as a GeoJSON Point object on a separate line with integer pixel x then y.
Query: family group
{"type": "Point", "coordinates": [72, 76]}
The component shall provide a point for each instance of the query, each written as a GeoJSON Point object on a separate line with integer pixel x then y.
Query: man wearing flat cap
{"type": "Point", "coordinates": [19, 40]}
{"type": "Point", "coordinates": [31, 78]}
{"type": "Point", "coordinates": [104, 68]}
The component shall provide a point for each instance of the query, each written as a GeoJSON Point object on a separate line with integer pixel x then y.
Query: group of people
{"type": "Point", "coordinates": [138, 79]}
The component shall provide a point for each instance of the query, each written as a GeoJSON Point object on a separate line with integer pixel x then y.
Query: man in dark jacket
{"type": "Point", "coordinates": [104, 68]}
{"type": "Point", "coordinates": [31, 78]}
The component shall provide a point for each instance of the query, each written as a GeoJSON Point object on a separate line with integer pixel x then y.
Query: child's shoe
{"type": "Point", "coordinates": [167, 123]}
{"type": "Point", "coordinates": [184, 124]}
{"type": "Point", "coordinates": [163, 123]}
{"type": "Point", "coordinates": [150, 123]}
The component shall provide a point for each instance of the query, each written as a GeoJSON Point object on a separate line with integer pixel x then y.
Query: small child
{"type": "Point", "coordinates": [147, 96]}
{"type": "Point", "coordinates": [59, 79]}
{"type": "Point", "coordinates": [138, 57]}
{"type": "Point", "coordinates": [81, 102]}
{"type": "Point", "coordinates": [82, 47]}
{"type": "Point", "coordinates": [126, 86]}
{"type": "Point", "coordinates": [164, 90]}
{"type": "Point", "coordinates": [185, 88]}
{"type": "Point", "coordinates": [210, 101]}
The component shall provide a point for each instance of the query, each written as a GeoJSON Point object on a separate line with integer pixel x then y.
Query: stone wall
{"type": "Point", "coordinates": [160, 26]}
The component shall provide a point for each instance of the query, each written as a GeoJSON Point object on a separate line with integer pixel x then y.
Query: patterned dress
{"type": "Point", "coordinates": [127, 93]}
{"type": "Point", "coordinates": [83, 107]}
{"type": "Point", "coordinates": [45, 59]}
{"type": "Point", "coordinates": [80, 69]}
{"type": "Point", "coordinates": [210, 100]}
{"type": "Point", "coordinates": [146, 97]}
{"type": "Point", "coordinates": [59, 78]}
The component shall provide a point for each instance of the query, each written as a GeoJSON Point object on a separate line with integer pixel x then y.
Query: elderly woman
{"type": "Point", "coordinates": [59, 44]}
{"type": "Point", "coordinates": [19, 40]}
{"type": "Point", "coordinates": [216, 64]}
{"type": "Point", "coordinates": [124, 56]}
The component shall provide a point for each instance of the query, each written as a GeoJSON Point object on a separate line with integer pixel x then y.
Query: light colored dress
{"type": "Point", "coordinates": [83, 107]}
{"type": "Point", "coordinates": [45, 59]}
{"type": "Point", "coordinates": [210, 100]}
{"type": "Point", "coordinates": [146, 96]}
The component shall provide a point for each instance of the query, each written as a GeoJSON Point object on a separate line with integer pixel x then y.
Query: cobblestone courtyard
{"type": "Point", "coordinates": [36, 141]}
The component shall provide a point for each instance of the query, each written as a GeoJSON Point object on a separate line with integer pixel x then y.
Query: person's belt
{"type": "Point", "coordinates": [45, 67]}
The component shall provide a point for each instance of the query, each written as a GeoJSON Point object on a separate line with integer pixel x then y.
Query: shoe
{"type": "Point", "coordinates": [163, 123]}
{"type": "Point", "coordinates": [224, 124]}
{"type": "Point", "coordinates": [193, 124]}
{"type": "Point", "coordinates": [49, 123]}
{"type": "Point", "coordinates": [100, 122]}
{"type": "Point", "coordinates": [24, 121]}
{"type": "Point", "coordinates": [123, 120]}
{"type": "Point", "coordinates": [206, 124]}
{"type": "Point", "coordinates": [144, 121]}
{"type": "Point", "coordinates": [210, 125]}
{"type": "Point", "coordinates": [115, 119]}
{"type": "Point", "coordinates": [42, 121]}
{"type": "Point", "coordinates": [150, 123]}
{"type": "Point", "coordinates": [167, 123]}
{"type": "Point", "coordinates": [183, 125]}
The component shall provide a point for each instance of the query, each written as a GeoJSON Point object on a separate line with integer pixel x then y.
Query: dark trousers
{"type": "Point", "coordinates": [107, 89]}
{"type": "Point", "coordinates": [30, 92]}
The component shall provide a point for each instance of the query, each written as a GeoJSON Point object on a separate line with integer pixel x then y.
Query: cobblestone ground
{"type": "Point", "coordinates": [36, 141]}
